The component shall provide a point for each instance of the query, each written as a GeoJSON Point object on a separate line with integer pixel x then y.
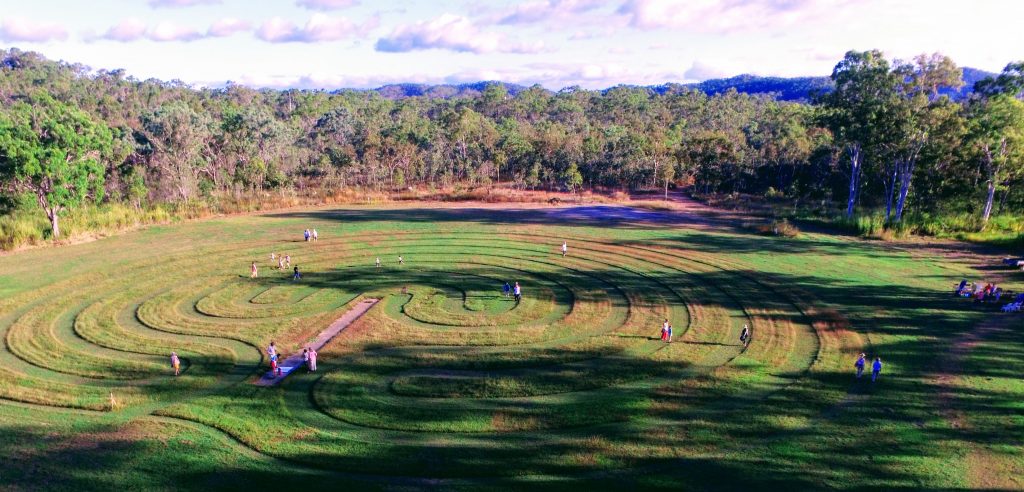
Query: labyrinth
{"type": "Point", "coordinates": [448, 382]}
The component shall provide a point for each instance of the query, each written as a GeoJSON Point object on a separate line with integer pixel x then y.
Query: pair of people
{"type": "Point", "coordinates": [876, 367]}
{"type": "Point", "coordinates": [309, 357]}
{"type": "Point", "coordinates": [666, 332]}
{"type": "Point", "coordinates": [310, 235]}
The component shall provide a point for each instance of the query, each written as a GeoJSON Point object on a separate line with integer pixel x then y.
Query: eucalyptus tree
{"type": "Point", "coordinates": [55, 152]}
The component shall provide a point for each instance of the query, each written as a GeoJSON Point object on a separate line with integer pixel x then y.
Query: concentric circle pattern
{"type": "Point", "coordinates": [446, 376]}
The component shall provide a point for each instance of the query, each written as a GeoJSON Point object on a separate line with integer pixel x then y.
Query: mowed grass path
{"type": "Point", "coordinates": [449, 383]}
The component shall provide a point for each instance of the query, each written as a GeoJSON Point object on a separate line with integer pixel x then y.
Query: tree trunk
{"type": "Point", "coordinates": [666, 190]}
{"type": "Point", "coordinates": [855, 164]}
{"type": "Point", "coordinates": [906, 172]}
{"type": "Point", "coordinates": [989, 200]}
{"type": "Point", "coordinates": [890, 190]}
{"type": "Point", "coordinates": [54, 217]}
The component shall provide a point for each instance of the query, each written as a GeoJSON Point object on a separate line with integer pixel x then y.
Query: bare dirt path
{"type": "Point", "coordinates": [295, 361]}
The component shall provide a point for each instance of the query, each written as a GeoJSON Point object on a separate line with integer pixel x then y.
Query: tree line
{"type": "Point", "coordinates": [884, 136]}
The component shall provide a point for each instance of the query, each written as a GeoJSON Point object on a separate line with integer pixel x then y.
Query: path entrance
{"type": "Point", "coordinates": [295, 361]}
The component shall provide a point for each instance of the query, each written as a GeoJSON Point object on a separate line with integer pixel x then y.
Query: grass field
{"type": "Point", "coordinates": [447, 383]}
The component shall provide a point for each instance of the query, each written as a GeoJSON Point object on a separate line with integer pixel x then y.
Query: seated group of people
{"type": "Point", "coordinates": [1014, 262]}
{"type": "Point", "coordinates": [978, 291]}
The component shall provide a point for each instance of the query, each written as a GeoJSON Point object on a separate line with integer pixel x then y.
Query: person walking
{"type": "Point", "coordinates": [876, 368]}
{"type": "Point", "coordinates": [287, 261]}
{"type": "Point", "coordinates": [296, 275]}
{"type": "Point", "coordinates": [565, 248]}
{"type": "Point", "coordinates": [517, 291]}
{"type": "Point", "coordinates": [312, 359]}
{"type": "Point", "coordinates": [860, 365]}
{"type": "Point", "coordinates": [669, 334]}
{"type": "Point", "coordinates": [305, 235]}
{"type": "Point", "coordinates": [664, 330]}
{"type": "Point", "coordinates": [253, 272]}
{"type": "Point", "coordinates": [315, 235]}
{"type": "Point", "coordinates": [506, 289]}
{"type": "Point", "coordinates": [175, 363]}
{"type": "Point", "coordinates": [745, 336]}
{"type": "Point", "coordinates": [378, 262]}
{"type": "Point", "coordinates": [400, 260]}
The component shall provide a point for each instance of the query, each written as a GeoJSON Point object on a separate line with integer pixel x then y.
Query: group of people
{"type": "Point", "coordinates": [308, 358]}
{"type": "Point", "coordinates": [283, 262]}
{"type": "Point", "coordinates": [515, 290]}
{"type": "Point", "coordinates": [310, 235]}
{"type": "Point", "coordinates": [876, 367]}
{"type": "Point", "coordinates": [666, 331]}
{"type": "Point", "coordinates": [979, 292]}
{"type": "Point", "coordinates": [401, 261]}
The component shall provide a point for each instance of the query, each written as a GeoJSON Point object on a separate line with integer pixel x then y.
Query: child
{"type": "Point", "coordinates": [664, 333]}
{"type": "Point", "coordinates": [254, 273]}
{"type": "Point", "coordinates": [876, 368]}
{"type": "Point", "coordinates": [669, 334]}
{"type": "Point", "coordinates": [271, 349]}
{"type": "Point", "coordinates": [175, 363]}
{"type": "Point", "coordinates": [400, 260]}
{"type": "Point", "coordinates": [272, 256]}
{"type": "Point", "coordinates": [273, 365]}
{"type": "Point", "coordinates": [859, 365]}
{"type": "Point", "coordinates": [565, 249]}
{"type": "Point", "coordinates": [745, 336]}
{"type": "Point", "coordinates": [312, 360]}
{"type": "Point", "coordinates": [296, 275]}
{"type": "Point", "coordinates": [305, 356]}
{"type": "Point", "coordinates": [287, 261]}
{"type": "Point", "coordinates": [378, 262]}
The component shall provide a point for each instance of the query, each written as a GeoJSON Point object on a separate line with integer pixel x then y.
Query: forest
{"type": "Point", "coordinates": [883, 140]}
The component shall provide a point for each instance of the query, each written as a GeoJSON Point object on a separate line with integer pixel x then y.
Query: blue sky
{"type": "Point", "coordinates": [557, 43]}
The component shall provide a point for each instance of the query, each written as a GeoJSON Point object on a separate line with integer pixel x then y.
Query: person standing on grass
{"type": "Point", "coordinates": [506, 289]}
{"type": "Point", "coordinates": [876, 368]}
{"type": "Point", "coordinates": [280, 262]}
{"type": "Point", "coordinates": [305, 235]}
{"type": "Point", "coordinates": [400, 260]}
{"type": "Point", "coordinates": [287, 261]}
{"type": "Point", "coordinates": [518, 292]}
{"type": "Point", "coordinates": [175, 363]}
{"type": "Point", "coordinates": [378, 262]}
{"type": "Point", "coordinates": [296, 275]}
{"type": "Point", "coordinates": [315, 235]}
{"type": "Point", "coordinates": [859, 365]}
{"type": "Point", "coordinates": [253, 271]}
{"type": "Point", "coordinates": [312, 360]}
{"type": "Point", "coordinates": [745, 336]}
{"type": "Point", "coordinates": [565, 248]}
{"type": "Point", "coordinates": [669, 334]}
{"type": "Point", "coordinates": [664, 330]}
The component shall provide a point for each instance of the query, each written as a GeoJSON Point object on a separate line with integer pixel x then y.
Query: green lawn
{"type": "Point", "coordinates": [448, 383]}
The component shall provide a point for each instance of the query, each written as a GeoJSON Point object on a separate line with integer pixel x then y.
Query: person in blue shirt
{"type": "Point", "coordinates": [876, 368]}
{"type": "Point", "coordinates": [859, 365]}
{"type": "Point", "coordinates": [506, 289]}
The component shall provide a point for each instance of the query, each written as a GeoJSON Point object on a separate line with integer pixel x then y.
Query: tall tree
{"type": "Point", "coordinates": [55, 152]}
{"type": "Point", "coordinates": [864, 90]}
{"type": "Point", "coordinates": [997, 134]}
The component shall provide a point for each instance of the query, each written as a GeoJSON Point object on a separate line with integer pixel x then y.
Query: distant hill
{"type": "Point", "coordinates": [783, 88]}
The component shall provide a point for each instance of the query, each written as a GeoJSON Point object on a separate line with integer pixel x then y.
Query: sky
{"type": "Point", "coordinates": [330, 44]}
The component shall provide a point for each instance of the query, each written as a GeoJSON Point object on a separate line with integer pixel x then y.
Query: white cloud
{"type": "Point", "coordinates": [547, 10]}
{"type": "Point", "coordinates": [319, 28]}
{"type": "Point", "coordinates": [133, 29]}
{"type": "Point", "coordinates": [21, 29]}
{"type": "Point", "coordinates": [227, 26]}
{"type": "Point", "coordinates": [326, 5]}
{"type": "Point", "coordinates": [700, 71]}
{"type": "Point", "coordinates": [454, 33]}
{"type": "Point", "coordinates": [181, 3]}
{"type": "Point", "coordinates": [726, 16]}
